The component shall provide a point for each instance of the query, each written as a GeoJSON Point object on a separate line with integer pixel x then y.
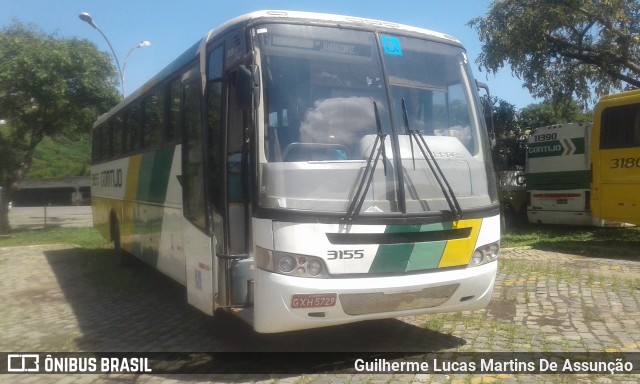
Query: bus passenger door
{"type": "Point", "coordinates": [238, 281]}
{"type": "Point", "coordinates": [228, 182]}
{"type": "Point", "coordinates": [200, 267]}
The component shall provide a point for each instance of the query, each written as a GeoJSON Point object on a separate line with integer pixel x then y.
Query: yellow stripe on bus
{"type": "Point", "coordinates": [133, 175]}
{"type": "Point", "coordinates": [458, 252]}
{"type": "Point", "coordinates": [128, 217]}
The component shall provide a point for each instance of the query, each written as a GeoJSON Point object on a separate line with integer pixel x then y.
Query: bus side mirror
{"type": "Point", "coordinates": [487, 109]}
{"type": "Point", "coordinates": [247, 86]}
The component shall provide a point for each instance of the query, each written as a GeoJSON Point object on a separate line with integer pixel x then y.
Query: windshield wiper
{"type": "Point", "coordinates": [445, 187]}
{"type": "Point", "coordinates": [378, 149]}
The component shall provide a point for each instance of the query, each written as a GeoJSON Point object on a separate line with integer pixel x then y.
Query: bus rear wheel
{"type": "Point", "coordinates": [120, 256]}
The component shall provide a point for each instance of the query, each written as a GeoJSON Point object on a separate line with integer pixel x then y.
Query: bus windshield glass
{"type": "Point", "coordinates": [336, 102]}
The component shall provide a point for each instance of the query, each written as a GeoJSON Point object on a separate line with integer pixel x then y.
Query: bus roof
{"type": "Point", "coordinates": [329, 19]}
{"type": "Point", "coordinates": [613, 96]}
{"type": "Point", "coordinates": [266, 16]}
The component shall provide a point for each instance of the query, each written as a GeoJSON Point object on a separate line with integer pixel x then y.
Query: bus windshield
{"type": "Point", "coordinates": [337, 102]}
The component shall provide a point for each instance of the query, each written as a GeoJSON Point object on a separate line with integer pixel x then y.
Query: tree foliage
{"type": "Point", "coordinates": [543, 114]}
{"type": "Point", "coordinates": [61, 157]}
{"type": "Point", "coordinates": [504, 117]}
{"type": "Point", "coordinates": [563, 49]}
{"type": "Point", "coordinates": [48, 87]}
{"type": "Point", "coordinates": [507, 149]}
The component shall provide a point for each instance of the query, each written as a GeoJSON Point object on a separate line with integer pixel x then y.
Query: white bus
{"type": "Point", "coordinates": [558, 174]}
{"type": "Point", "coordinates": [303, 170]}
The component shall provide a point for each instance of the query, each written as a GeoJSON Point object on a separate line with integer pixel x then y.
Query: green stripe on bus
{"type": "Point", "coordinates": [154, 175]}
{"type": "Point", "coordinates": [426, 255]}
{"type": "Point", "coordinates": [392, 258]}
{"type": "Point", "coordinates": [556, 181]}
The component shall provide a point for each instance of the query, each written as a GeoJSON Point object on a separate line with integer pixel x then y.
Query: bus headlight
{"type": "Point", "coordinates": [493, 251]}
{"type": "Point", "coordinates": [314, 267]}
{"type": "Point", "coordinates": [485, 254]}
{"type": "Point", "coordinates": [478, 258]}
{"type": "Point", "coordinates": [290, 264]}
{"type": "Point", "coordinates": [286, 263]}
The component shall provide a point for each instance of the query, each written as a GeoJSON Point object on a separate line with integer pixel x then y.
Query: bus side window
{"type": "Point", "coordinates": [120, 137]}
{"type": "Point", "coordinates": [237, 169]}
{"type": "Point", "coordinates": [133, 127]}
{"type": "Point", "coordinates": [174, 104]}
{"type": "Point", "coordinates": [215, 121]}
{"type": "Point", "coordinates": [195, 208]}
{"type": "Point", "coordinates": [152, 120]}
{"type": "Point", "coordinates": [116, 138]}
{"type": "Point", "coordinates": [94, 146]}
{"type": "Point", "coordinates": [98, 139]}
{"type": "Point", "coordinates": [107, 134]}
{"type": "Point", "coordinates": [236, 125]}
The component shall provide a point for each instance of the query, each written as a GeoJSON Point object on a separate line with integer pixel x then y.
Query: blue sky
{"type": "Point", "coordinates": [173, 26]}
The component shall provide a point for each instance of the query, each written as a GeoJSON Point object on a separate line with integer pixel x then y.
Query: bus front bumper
{"type": "Point", "coordinates": [286, 303]}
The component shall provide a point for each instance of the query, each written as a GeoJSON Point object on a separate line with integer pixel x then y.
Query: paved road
{"type": "Point", "coordinates": [60, 298]}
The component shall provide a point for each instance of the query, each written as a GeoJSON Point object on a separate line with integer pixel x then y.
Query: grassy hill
{"type": "Point", "coordinates": [61, 157]}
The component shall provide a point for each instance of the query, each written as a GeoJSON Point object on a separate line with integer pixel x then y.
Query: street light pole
{"type": "Point", "coordinates": [84, 16]}
{"type": "Point", "coordinates": [141, 44]}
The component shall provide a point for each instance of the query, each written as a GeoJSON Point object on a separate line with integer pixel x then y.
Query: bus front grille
{"type": "Point", "coordinates": [377, 302]}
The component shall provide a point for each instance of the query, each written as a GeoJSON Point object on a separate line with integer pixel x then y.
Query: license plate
{"type": "Point", "coordinates": [314, 300]}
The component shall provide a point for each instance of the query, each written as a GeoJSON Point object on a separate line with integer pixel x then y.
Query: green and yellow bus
{"type": "Point", "coordinates": [615, 158]}
{"type": "Point", "coordinates": [302, 170]}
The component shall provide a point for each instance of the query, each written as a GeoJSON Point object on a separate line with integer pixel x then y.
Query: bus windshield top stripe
{"type": "Point", "coordinates": [398, 238]}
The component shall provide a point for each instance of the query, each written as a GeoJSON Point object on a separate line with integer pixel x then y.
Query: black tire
{"type": "Point", "coordinates": [503, 218]}
{"type": "Point", "coordinates": [120, 257]}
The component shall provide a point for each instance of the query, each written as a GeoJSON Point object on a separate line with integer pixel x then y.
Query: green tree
{"type": "Point", "coordinates": [504, 118]}
{"type": "Point", "coordinates": [61, 157]}
{"type": "Point", "coordinates": [538, 115]}
{"type": "Point", "coordinates": [508, 151]}
{"type": "Point", "coordinates": [563, 49]}
{"type": "Point", "coordinates": [48, 87]}
{"type": "Point", "coordinates": [544, 114]}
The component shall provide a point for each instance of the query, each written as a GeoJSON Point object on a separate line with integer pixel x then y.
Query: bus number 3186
{"type": "Point", "coordinates": [625, 162]}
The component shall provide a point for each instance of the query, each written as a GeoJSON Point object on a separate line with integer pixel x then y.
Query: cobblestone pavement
{"type": "Point", "coordinates": [60, 298]}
